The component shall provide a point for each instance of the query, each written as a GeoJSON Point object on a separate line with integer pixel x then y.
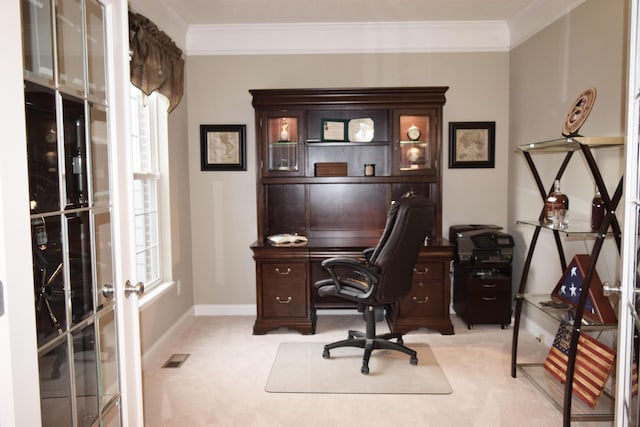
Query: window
{"type": "Point", "coordinates": [150, 183]}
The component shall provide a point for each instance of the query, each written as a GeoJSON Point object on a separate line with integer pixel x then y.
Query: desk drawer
{"type": "Point", "coordinates": [488, 284]}
{"type": "Point", "coordinates": [424, 300]}
{"type": "Point", "coordinates": [428, 271]}
{"type": "Point", "coordinates": [489, 308]}
{"type": "Point", "coordinates": [284, 290]}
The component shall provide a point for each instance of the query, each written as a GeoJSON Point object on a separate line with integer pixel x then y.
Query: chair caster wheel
{"type": "Point", "coordinates": [413, 360]}
{"type": "Point", "coordinates": [364, 369]}
{"type": "Point", "coordinates": [325, 354]}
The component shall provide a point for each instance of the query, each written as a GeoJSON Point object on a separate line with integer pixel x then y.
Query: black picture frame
{"type": "Point", "coordinates": [472, 144]}
{"type": "Point", "coordinates": [334, 130]}
{"type": "Point", "coordinates": [223, 148]}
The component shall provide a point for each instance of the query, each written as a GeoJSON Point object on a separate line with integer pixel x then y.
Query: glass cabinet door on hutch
{"type": "Point", "coordinates": [282, 133]}
{"type": "Point", "coordinates": [415, 139]}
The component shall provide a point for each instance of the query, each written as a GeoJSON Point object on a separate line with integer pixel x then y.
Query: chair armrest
{"type": "Point", "coordinates": [368, 252]}
{"type": "Point", "coordinates": [368, 273]}
{"type": "Point", "coordinates": [355, 264]}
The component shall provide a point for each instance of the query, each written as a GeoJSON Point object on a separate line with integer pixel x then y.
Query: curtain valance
{"type": "Point", "coordinates": [156, 62]}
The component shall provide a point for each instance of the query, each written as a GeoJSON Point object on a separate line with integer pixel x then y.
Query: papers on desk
{"type": "Point", "coordinates": [285, 239]}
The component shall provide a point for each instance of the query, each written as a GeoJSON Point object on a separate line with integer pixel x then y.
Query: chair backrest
{"type": "Point", "coordinates": [388, 226]}
{"type": "Point", "coordinates": [408, 222]}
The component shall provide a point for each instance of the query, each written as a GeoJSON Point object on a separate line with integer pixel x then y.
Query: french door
{"type": "Point", "coordinates": [629, 324]}
{"type": "Point", "coordinates": [75, 199]}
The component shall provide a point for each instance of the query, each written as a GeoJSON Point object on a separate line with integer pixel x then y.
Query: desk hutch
{"type": "Point", "coordinates": [329, 163]}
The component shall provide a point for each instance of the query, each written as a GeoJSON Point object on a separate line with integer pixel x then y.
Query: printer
{"type": "Point", "coordinates": [481, 243]}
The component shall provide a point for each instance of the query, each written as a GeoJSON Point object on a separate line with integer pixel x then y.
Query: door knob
{"type": "Point", "coordinates": [138, 289]}
{"type": "Point", "coordinates": [608, 290]}
{"type": "Point", "coordinates": [107, 290]}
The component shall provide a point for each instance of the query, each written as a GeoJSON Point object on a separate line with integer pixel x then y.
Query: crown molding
{"type": "Point", "coordinates": [376, 37]}
{"type": "Point", "coordinates": [354, 37]}
{"type": "Point", "coordinates": [538, 15]}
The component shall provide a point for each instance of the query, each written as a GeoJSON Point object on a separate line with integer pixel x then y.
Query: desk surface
{"type": "Point", "coordinates": [348, 244]}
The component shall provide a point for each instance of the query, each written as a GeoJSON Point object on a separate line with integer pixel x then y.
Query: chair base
{"type": "Point", "coordinates": [369, 341]}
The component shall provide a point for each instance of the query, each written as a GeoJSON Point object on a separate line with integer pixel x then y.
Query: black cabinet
{"type": "Point", "coordinates": [482, 293]}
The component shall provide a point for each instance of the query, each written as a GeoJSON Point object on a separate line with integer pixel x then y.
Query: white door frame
{"type": "Point", "coordinates": [127, 314]}
{"type": "Point", "coordinates": [624, 412]}
{"type": "Point", "coordinates": [20, 392]}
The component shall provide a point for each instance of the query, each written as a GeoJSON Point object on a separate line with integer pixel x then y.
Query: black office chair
{"type": "Point", "coordinates": [382, 277]}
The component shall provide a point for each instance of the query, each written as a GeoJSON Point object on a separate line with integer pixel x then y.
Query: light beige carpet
{"type": "Point", "coordinates": [300, 368]}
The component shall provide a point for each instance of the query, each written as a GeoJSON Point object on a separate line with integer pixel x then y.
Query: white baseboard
{"type": "Point", "coordinates": [225, 310]}
{"type": "Point", "coordinates": [541, 333]}
{"type": "Point", "coordinates": [250, 310]}
{"type": "Point", "coordinates": [155, 354]}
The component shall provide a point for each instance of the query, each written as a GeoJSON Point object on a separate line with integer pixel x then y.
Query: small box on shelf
{"type": "Point", "coordinates": [330, 169]}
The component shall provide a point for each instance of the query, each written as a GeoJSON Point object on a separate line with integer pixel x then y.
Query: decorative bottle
{"type": "Point", "coordinates": [284, 131]}
{"type": "Point", "coordinates": [556, 207]}
{"type": "Point", "coordinates": [597, 211]}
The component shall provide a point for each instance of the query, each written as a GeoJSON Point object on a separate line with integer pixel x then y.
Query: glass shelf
{"type": "Point", "coordinates": [540, 301]}
{"type": "Point", "coordinates": [318, 143]}
{"type": "Point", "coordinates": [553, 390]}
{"type": "Point", "coordinates": [574, 228]}
{"type": "Point", "coordinates": [572, 143]}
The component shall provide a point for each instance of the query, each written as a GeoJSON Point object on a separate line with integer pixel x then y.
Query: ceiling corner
{"type": "Point", "coordinates": [537, 16]}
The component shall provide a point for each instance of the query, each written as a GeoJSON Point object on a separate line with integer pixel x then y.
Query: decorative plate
{"type": "Point", "coordinates": [579, 112]}
{"type": "Point", "coordinates": [361, 130]}
{"type": "Point", "coordinates": [414, 154]}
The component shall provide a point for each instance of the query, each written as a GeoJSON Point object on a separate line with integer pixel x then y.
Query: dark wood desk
{"type": "Point", "coordinates": [285, 275]}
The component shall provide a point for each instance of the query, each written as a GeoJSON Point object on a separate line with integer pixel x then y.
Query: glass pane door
{"type": "Point", "coordinates": [71, 212]}
{"type": "Point", "coordinates": [415, 139]}
{"type": "Point", "coordinates": [283, 144]}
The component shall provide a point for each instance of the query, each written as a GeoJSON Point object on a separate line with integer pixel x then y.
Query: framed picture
{"type": "Point", "coordinates": [472, 144]}
{"type": "Point", "coordinates": [223, 147]}
{"type": "Point", "coordinates": [334, 130]}
{"type": "Point", "coordinates": [569, 288]}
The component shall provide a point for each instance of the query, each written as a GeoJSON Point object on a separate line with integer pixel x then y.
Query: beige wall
{"type": "Point", "coordinates": [585, 48]}
{"type": "Point", "coordinates": [527, 93]}
{"type": "Point", "coordinates": [159, 316]}
{"type": "Point", "coordinates": [223, 205]}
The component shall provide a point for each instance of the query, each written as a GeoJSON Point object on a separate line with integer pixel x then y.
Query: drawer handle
{"type": "Point", "coordinates": [489, 298]}
{"type": "Point", "coordinates": [426, 270]}
{"type": "Point", "coordinates": [422, 301]}
{"type": "Point", "coordinates": [284, 273]}
{"type": "Point", "coordinates": [488, 285]}
{"type": "Point", "coordinates": [287, 301]}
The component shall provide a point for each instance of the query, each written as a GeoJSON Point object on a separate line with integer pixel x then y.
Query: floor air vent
{"type": "Point", "coordinates": [175, 361]}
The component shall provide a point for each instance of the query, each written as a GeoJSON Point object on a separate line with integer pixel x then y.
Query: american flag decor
{"type": "Point", "coordinates": [594, 362]}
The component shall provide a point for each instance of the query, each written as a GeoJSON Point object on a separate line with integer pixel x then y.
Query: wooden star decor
{"type": "Point", "coordinates": [569, 288]}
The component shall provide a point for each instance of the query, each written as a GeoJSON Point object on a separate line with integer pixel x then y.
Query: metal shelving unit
{"type": "Point", "coordinates": [561, 395]}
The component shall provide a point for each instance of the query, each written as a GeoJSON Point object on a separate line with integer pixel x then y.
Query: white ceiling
{"type": "Point", "coordinates": [321, 11]}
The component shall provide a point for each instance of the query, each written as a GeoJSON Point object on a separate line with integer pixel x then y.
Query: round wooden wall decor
{"type": "Point", "coordinates": [579, 112]}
